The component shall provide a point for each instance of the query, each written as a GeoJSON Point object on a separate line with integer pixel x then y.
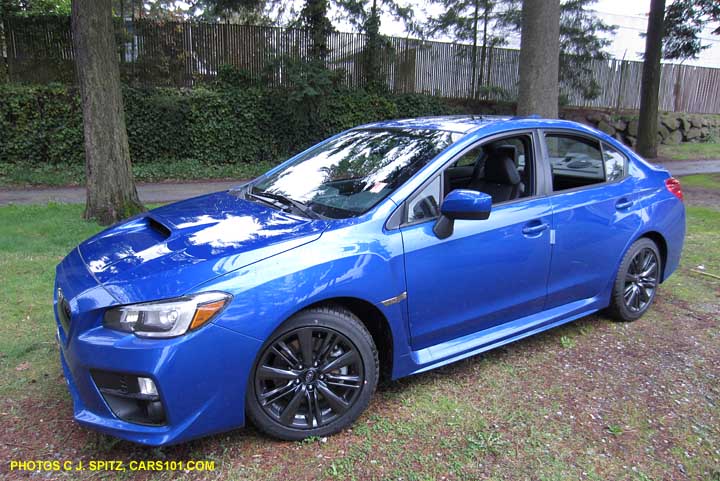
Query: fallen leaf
{"type": "Point", "coordinates": [23, 366]}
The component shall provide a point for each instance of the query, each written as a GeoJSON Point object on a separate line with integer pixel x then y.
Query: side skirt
{"type": "Point", "coordinates": [478, 342]}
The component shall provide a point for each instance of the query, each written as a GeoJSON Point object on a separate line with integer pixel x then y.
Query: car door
{"type": "Point", "coordinates": [486, 273]}
{"type": "Point", "coordinates": [594, 215]}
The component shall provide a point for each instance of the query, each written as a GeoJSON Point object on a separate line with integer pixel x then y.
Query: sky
{"type": "Point", "coordinates": [630, 16]}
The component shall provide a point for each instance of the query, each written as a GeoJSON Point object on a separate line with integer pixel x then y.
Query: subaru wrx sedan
{"type": "Point", "coordinates": [387, 250]}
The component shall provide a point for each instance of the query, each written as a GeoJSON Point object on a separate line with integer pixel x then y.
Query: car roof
{"type": "Point", "coordinates": [451, 123]}
{"type": "Point", "coordinates": [465, 124]}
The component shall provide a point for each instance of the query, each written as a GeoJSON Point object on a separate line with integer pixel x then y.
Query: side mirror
{"type": "Point", "coordinates": [461, 204]}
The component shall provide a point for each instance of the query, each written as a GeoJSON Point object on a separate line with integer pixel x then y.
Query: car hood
{"type": "Point", "coordinates": [167, 251]}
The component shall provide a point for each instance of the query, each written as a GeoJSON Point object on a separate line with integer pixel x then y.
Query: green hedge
{"type": "Point", "coordinates": [42, 125]}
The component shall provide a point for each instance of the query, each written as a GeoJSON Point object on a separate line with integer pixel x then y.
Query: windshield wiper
{"type": "Point", "coordinates": [299, 206]}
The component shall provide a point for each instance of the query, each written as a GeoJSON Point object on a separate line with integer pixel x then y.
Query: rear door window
{"type": "Point", "coordinates": [574, 161]}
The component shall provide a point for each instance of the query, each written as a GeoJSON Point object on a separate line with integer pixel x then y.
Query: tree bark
{"type": "Point", "coordinates": [483, 52]}
{"type": "Point", "coordinates": [111, 192]}
{"type": "Point", "coordinates": [650, 86]}
{"type": "Point", "coordinates": [539, 58]}
{"type": "Point", "coordinates": [474, 50]}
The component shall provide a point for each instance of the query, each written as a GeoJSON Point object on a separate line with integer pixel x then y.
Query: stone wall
{"type": "Point", "coordinates": [673, 128]}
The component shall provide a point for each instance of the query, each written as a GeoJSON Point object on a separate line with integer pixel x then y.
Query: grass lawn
{"type": "Point", "coordinates": [703, 181]}
{"type": "Point", "coordinates": [690, 151]}
{"type": "Point", "coordinates": [593, 400]}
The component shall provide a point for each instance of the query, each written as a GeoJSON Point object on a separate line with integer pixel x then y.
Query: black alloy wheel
{"type": "Point", "coordinates": [313, 378]}
{"type": "Point", "coordinates": [637, 281]}
{"type": "Point", "coordinates": [641, 280]}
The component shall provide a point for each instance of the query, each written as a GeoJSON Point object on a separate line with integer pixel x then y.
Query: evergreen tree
{"type": "Point", "coordinates": [314, 17]}
{"type": "Point", "coordinates": [684, 21]}
{"type": "Point", "coordinates": [34, 7]}
{"type": "Point", "coordinates": [365, 17]}
{"type": "Point", "coordinates": [472, 21]}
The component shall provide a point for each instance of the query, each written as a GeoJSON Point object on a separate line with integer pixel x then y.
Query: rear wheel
{"type": "Point", "coordinates": [314, 377]}
{"type": "Point", "coordinates": [637, 281]}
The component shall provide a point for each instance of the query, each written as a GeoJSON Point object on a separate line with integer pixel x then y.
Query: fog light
{"type": "Point", "coordinates": [131, 398]}
{"type": "Point", "coordinates": [147, 386]}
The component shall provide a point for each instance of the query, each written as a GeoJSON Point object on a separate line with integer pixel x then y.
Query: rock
{"type": "Point", "coordinates": [684, 123]}
{"type": "Point", "coordinates": [672, 123]}
{"type": "Point", "coordinates": [619, 124]}
{"type": "Point", "coordinates": [692, 134]}
{"type": "Point", "coordinates": [695, 121]}
{"type": "Point", "coordinates": [606, 127]}
{"type": "Point", "coordinates": [704, 132]}
{"type": "Point", "coordinates": [597, 117]}
{"type": "Point", "coordinates": [674, 138]}
{"type": "Point", "coordinates": [632, 128]}
{"type": "Point", "coordinates": [663, 132]}
{"type": "Point", "coordinates": [630, 140]}
{"type": "Point", "coordinates": [619, 137]}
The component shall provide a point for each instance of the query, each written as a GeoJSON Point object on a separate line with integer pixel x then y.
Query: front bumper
{"type": "Point", "coordinates": [201, 377]}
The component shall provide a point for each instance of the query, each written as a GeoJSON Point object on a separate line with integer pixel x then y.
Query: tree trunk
{"type": "Point", "coordinates": [539, 58]}
{"type": "Point", "coordinates": [483, 53]}
{"type": "Point", "coordinates": [650, 86]}
{"type": "Point", "coordinates": [374, 76]}
{"type": "Point", "coordinates": [474, 51]}
{"type": "Point", "coordinates": [111, 192]}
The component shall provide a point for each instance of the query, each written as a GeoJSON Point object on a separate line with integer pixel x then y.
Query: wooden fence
{"type": "Point", "coordinates": [183, 54]}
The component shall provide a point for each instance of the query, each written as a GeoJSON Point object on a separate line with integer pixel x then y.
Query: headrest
{"type": "Point", "coordinates": [500, 169]}
{"type": "Point", "coordinates": [507, 150]}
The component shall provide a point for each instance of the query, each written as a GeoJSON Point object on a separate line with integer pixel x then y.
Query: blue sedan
{"type": "Point", "coordinates": [387, 250]}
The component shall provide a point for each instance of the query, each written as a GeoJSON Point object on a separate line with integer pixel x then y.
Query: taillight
{"type": "Point", "coordinates": [673, 185]}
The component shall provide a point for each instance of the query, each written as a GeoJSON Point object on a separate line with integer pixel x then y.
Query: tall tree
{"type": "Point", "coordinates": [314, 17]}
{"type": "Point", "coordinates": [471, 21]}
{"type": "Point", "coordinates": [650, 85]}
{"type": "Point", "coordinates": [365, 16]}
{"type": "Point", "coordinates": [684, 21]}
{"type": "Point", "coordinates": [539, 58]}
{"type": "Point", "coordinates": [582, 39]}
{"type": "Point", "coordinates": [111, 192]}
{"type": "Point", "coordinates": [35, 7]}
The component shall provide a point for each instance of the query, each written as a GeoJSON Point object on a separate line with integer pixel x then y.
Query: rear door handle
{"type": "Point", "coordinates": [534, 229]}
{"type": "Point", "coordinates": [623, 204]}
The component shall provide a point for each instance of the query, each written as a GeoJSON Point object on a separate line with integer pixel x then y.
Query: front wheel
{"type": "Point", "coordinates": [314, 377]}
{"type": "Point", "coordinates": [637, 281]}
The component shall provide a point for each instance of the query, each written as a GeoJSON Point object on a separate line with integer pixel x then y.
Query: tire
{"type": "Point", "coordinates": [290, 400]}
{"type": "Point", "coordinates": [636, 282]}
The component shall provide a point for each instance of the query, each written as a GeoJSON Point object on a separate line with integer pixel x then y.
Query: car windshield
{"type": "Point", "coordinates": [352, 173]}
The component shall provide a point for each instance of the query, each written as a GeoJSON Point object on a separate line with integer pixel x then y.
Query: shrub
{"type": "Point", "coordinates": [42, 125]}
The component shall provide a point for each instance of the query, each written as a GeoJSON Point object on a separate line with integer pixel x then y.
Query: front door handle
{"type": "Point", "coordinates": [623, 204]}
{"type": "Point", "coordinates": [534, 229]}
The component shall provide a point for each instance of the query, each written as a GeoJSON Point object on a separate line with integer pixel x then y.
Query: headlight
{"type": "Point", "coordinates": [168, 318]}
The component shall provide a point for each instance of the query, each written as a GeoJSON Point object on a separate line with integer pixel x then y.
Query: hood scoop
{"type": "Point", "coordinates": [131, 239]}
{"type": "Point", "coordinates": [158, 227]}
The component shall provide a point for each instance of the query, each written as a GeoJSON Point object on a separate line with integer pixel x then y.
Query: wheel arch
{"type": "Point", "coordinates": [376, 323]}
{"type": "Point", "coordinates": [661, 244]}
